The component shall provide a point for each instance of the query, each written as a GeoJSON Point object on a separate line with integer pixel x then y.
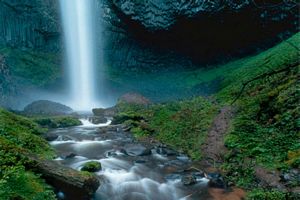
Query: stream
{"type": "Point", "coordinates": [131, 170]}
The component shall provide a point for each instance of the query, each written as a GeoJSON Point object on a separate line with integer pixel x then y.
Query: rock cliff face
{"type": "Point", "coordinates": [156, 35]}
{"type": "Point", "coordinates": [162, 15]}
{"type": "Point", "coordinates": [7, 86]}
{"type": "Point", "coordinates": [206, 30]}
{"type": "Point", "coordinates": [29, 23]}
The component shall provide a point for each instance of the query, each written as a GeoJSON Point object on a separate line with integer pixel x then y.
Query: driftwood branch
{"type": "Point", "coordinates": [267, 74]}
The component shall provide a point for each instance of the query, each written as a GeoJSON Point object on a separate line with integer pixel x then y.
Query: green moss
{"type": "Point", "coordinates": [36, 68]}
{"type": "Point", "coordinates": [92, 166]}
{"type": "Point", "coordinates": [57, 121]}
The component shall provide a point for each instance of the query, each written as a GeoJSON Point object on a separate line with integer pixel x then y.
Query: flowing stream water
{"type": "Point", "coordinates": [131, 170]}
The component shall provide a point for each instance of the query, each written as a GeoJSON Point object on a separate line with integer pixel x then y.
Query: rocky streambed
{"type": "Point", "coordinates": [129, 169]}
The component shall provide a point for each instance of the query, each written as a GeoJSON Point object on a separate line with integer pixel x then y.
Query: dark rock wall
{"type": "Point", "coordinates": [209, 31]}
{"type": "Point", "coordinates": [30, 24]}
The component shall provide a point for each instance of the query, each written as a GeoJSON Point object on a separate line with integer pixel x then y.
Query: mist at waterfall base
{"type": "Point", "coordinates": [82, 57]}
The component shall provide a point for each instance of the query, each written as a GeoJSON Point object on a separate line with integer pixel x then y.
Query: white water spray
{"type": "Point", "coordinates": [78, 18]}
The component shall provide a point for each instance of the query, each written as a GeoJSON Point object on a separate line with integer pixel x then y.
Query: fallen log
{"type": "Point", "coordinates": [74, 184]}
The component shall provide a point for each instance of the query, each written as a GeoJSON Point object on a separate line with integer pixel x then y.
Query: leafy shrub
{"type": "Point", "coordinates": [58, 122]}
{"type": "Point", "coordinates": [260, 194]}
{"type": "Point", "coordinates": [16, 183]}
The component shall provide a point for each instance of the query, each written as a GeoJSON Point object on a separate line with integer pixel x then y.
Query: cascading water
{"type": "Point", "coordinates": [78, 18]}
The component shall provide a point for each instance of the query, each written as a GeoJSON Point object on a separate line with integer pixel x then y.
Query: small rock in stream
{"type": "Point", "coordinates": [110, 154]}
{"type": "Point", "coordinates": [189, 180]}
{"type": "Point", "coordinates": [91, 166]}
{"type": "Point", "coordinates": [137, 150]}
{"type": "Point", "coordinates": [68, 155]}
{"type": "Point", "coordinates": [50, 137]}
{"type": "Point", "coordinates": [140, 161]}
{"type": "Point", "coordinates": [216, 180]}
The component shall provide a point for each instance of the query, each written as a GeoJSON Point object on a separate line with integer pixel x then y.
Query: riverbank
{"type": "Point", "coordinates": [260, 142]}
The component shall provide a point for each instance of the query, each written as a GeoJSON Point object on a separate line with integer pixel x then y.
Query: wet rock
{"type": "Point", "coordinates": [137, 150]}
{"type": "Point", "coordinates": [104, 112]}
{"type": "Point", "coordinates": [123, 151]}
{"type": "Point", "coordinates": [166, 151]}
{"type": "Point", "coordinates": [173, 177]}
{"type": "Point", "coordinates": [68, 155]}
{"type": "Point", "coordinates": [92, 166]}
{"type": "Point", "coordinates": [47, 108]}
{"type": "Point", "coordinates": [97, 120]}
{"type": "Point", "coordinates": [195, 172]}
{"type": "Point", "coordinates": [188, 180]}
{"type": "Point", "coordinates": [110, 154]}
{"type": "Point", "coordinates": [140, 161]}
{"type": "Point", "coordinates": [64, 138]}
{"type": "Point", "coordinates": [60, 195]}
{"type": "Point", "coordinates": [183, 158]}
{"type": "Point", "coordinates": [216, 180]}
{"type": "Point", "coordinates": [50, 137]}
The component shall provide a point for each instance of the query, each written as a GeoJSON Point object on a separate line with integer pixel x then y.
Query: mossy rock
{"type": "Point", "coordinates": [92, 166]}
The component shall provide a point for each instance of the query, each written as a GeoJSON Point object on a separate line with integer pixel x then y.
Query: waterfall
{"type": "Point", "coordinates": [78, 28]}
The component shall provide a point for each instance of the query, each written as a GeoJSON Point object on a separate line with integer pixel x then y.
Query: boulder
{"type": "Point", "coordinates": [47, 108]}
{"type": "Point", "coordinates": [97, 120]}
{"type": "Point", "coordinates": [67, 155]}
{"type": "Point", "coordinates": [92, 166]}
{"type": "Point", "coordinates": [134, 98]}
{"type": "Point", "coordinates": [104, 112]}
{"type": "Point", "coordinates": [216, 180]}
{"type": "Point", "coordinates": [137, 150]}
{"type": "Point", "coordinates": [50, 136]}
{"type": "Point", "coordinates": [166, 151]}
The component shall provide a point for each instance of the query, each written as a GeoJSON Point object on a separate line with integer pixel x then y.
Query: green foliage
{"type": "Point", "coordinates": [57, 121]}
{"type": "Point", "coordinates": [16, 183]}
{"type": "Point", "coordinates": [23, 133]}
{"type": "Point", "coordinates": [265, 128]}
{"type": "Point", "coordinates": [181, 124]}
{"type": "Point", "coordinates": [36, 68]}
{"type": "Point", "coordinates": [19, 136]}
{"type": "Point", "coordinates": [260, 194]}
